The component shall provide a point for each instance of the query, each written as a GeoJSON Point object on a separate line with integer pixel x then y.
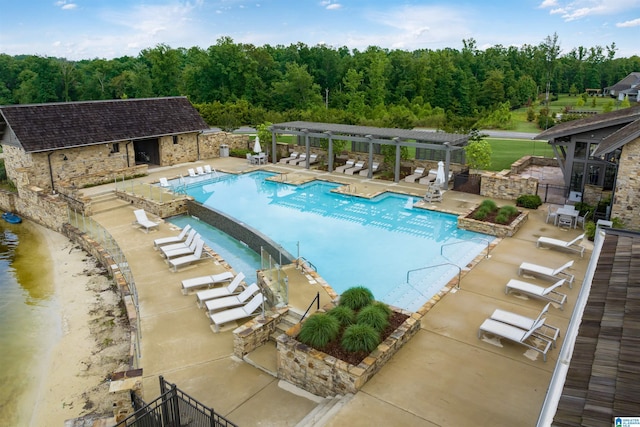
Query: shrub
{"type": "Point", "coordinates": [584, 208]}
{"type": "Point", "coordinates": [360, 337]}
{"type": "Point", "coordinates": [481, 213]}
{"type": "Point", "coordinates": [318, 330]}
{"type": "Point", "coordinates": [508, 210]}
{"type": "Point", "coordinates": [384, 308]}
{"type": "Point", "coordinates": [489, 205]}
{"type": "Point", "coordinates": [374, 317]}
{"type": "Point", "coordinates": [502, 218]}
{"type": "Point", "coordinates": [345, 315]}
{"type": "Point", "coordinates": [529, 201]}
{"type": "Point", "coordinates": [357, 297]}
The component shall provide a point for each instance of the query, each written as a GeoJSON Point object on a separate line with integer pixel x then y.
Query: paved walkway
{"type": "Point", "coordinates": [445, 375]}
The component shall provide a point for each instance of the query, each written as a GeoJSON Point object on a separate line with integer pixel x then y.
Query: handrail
{"type": "Point", "coordinates": [464, 241]}
{"type": "Point", "coordinates": [309, 263]}
{"type": "Point", "coordinates": [434, 266]}
{"type": "Point", "coordinates": [316, 299]}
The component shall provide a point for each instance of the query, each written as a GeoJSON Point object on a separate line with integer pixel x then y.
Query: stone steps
{"type": "Point", "coordinates": [325, 411]}
{"type": "Point", "coordinates": [105, 202]}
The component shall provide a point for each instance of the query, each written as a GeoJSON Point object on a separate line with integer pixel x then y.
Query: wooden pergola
{"type": "Point", "coordinates": [372, 136]}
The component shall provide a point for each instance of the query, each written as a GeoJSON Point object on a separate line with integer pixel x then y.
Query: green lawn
{"type": "Point", "coordinates": [506, 151]}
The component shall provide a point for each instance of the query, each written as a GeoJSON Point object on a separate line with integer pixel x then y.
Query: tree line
{"type": "Point", "coordinates": [234, 84]}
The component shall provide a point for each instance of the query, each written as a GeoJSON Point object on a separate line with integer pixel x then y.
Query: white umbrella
{"type": "Point", "coordinates": [440, 178]}
{"type": "Point", "coordinates": [256, 145]}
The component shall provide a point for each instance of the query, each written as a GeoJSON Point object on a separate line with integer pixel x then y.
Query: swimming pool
{"type": "Point", "coordinates": [382, 243]}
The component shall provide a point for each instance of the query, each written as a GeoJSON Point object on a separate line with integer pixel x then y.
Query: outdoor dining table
{"type": "Point", "coordinates": [567, 212]}
{"type": "Point", "coordinates": [259, 159]}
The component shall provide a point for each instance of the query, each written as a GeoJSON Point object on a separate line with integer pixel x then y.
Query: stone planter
{"type": "Point", "coordinates": [324, 375]}
{"type": "Point", "coordinates": [493, 229]}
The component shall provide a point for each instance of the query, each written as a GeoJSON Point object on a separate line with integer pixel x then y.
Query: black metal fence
{"type": "Point", "coordinates": [556, 194]}
{"type": "Point", "coordinates": [172, 408]}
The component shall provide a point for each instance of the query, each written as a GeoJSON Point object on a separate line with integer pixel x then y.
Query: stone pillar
{"type": "Point", "coordinates": [122, 384]}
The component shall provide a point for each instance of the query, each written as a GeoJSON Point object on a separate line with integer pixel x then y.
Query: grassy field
{"type": "Point", "coordinates": [506, 151]}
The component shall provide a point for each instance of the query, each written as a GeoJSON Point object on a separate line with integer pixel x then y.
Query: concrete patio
{"type": "Point", "coordinates": [445, 375]}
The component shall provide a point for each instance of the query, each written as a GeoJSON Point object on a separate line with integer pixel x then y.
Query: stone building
{"type": "Point", "coordinates": [82, 143]}
{"type": "Point", "coordinates": [600, 160]}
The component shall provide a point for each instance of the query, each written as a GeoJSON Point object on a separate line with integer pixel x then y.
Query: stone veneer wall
{"type": "Point", "coordinates": [256, 332]}
{"type": "Point", "coordinates": [165, 209]}
{"type": "Point", "coordinates": [249, 236]}
{"type": "Point", "coordinates": [324, 375]}
{"type": "Point", "coordinates": [38, 206]}
{"type": "Point", "coordinates": [625, 204]}
{"type": "Point", "coordinates": [523, 163]}
{"type": "Point", "coordinates": [209, 143]}
{"type": "Point", "coordinates": [490, 228]}
{"type": "Point", "coordinates": [504, 185]}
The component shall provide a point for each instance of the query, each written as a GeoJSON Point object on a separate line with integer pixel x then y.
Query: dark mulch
{"type": "Point", "coordinates": [334, 349]}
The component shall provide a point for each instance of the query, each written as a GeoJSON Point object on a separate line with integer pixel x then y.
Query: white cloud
{"type": "Point", "coordinates": [627, 24]}
{"type": "Point", "coordinates": [66, 6]}
{"type": "Point", "coordinates": [579, 9]}
{"type": "Point", "coordinates": [334, 6]}
{"type": "Point", "coordinates": [548, 3]}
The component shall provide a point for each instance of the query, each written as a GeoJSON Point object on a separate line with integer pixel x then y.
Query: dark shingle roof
{"type": "Point", "coordinates": [45, 127]}
{"type": "Point", "coordinates": [591, 123]}
{"type": "Point", "coordinates": [381, 133]}
{"type": "Point", "coordinates": [618, 138]}
{"type": "Point", "coordinates": [602, 379]}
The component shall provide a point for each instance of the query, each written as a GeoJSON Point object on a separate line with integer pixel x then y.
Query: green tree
{"type": "Point", "coordinates": [478, 151]}
{"type": "Point", "coordinates": [297, 89]}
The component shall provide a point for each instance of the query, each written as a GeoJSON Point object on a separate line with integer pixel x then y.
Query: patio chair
{"type": "Point", "coordinates": [187, 250]}
{"type": "Point", "coordinates": [517, 335]}
{"type": "Point", "coordinates": [143, 222]}
{"type": "Point", "coordinates": [356, 168]}
{"type": "Point", "coordinates": [199, 170]}
{"type": "Point", "coordinates": [231, 289]}
{"type": "Point", "coordinates": [417, 173]}
{"type": "Point", "coordinates": [313, 159]}
{"type": "Point", "coordinates": [583, 219]}
{"type": "Point", "coordinates": [207, 169]}
{"type": "Point", "coordinates": [429, 178]}
{"type": "Point", "coordinates": [523, 322]}
{"type": "Point", "coordinates": [374, 168]}
{"type": "Point", "coordinates": [179, 245]}
{"type": "Point", "coordinates": [164, 182]}
{"type": "Point", "coordinates": [347, 165]}
{"type": "Point", "coordinates": [250, 159]}
{"type": "Point", "coordinates": [216, 304]}
{"type": "Point", "coordinates": [233, 314]}
{"type": "Point", "coordinates": [529, 289]}
{"type": "Point", "coordinates": [292, 156]}
{"type": "Point", "coordinates": [172, 239]}
{"type": "Point", "coordinates": [571, 245]}
{"type": "Point", "coordinates": [551, 214]}
{"type": "Point", "coordinates": [192, 172]}
{"type": "Point", "coordinates": [547, 272]}
{"type": "Point", "coordinates": [300, 160]}
{"type": "Point", "coordinates": [205, 281]}
{"type": "Point", "coordinates": [198, 255]}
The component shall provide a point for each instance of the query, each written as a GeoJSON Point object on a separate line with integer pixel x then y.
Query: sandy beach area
{"type": "Point", "coordinates": [93, 342]}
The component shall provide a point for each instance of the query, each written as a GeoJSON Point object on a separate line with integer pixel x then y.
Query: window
{"type": "Point", "coordinates": [581, 150]}
{"type": "Point", "coordinates": [115, 148]}
{"type": "Point", "coordinates": [175, 139]}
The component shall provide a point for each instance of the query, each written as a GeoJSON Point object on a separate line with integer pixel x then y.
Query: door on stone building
{"type": "Point", "coordinates": [147, 151]}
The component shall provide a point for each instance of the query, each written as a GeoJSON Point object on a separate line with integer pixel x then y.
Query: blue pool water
{"type": "Point", "coordinates": [351, 241]}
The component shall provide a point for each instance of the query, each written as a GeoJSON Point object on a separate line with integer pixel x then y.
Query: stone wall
{"type": "Point", "coordinates": [241, 232]}
{"type": "Point", "coordinates": [625, 203]}
{"type": "Point", "coordinates": [523, 163]}
{"type": "Point", "coordinates": [504, 185]}
{"type": "Point", "coordinates": [324, 375]}
{"type": "Point", "coordinates": [490, 228]}
{"type": "Point", "coordinates": [210, 142]}
{"type": "Point", "coordinates": [35, 204]}
{"type": "Point", "coordinates": [164, 209]}
{"type": "Point", "coordinates": [256, 332]}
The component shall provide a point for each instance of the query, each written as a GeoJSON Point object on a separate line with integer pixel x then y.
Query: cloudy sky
{"type": "Point", "coordinates": [87, 29]}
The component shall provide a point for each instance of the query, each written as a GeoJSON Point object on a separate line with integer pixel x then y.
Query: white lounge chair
{"type": "Point", "coordinates": [523, 322]}
{"type": "Point", "coordinates": [202, 281]}
{"type": "Point", "coordinates": [187, 250]}
{"type": "Point", "coordinates": [548, 294]}
{"type": "Point", "coordinates": [143, 222]}
{"type": "Point", "coordinates": [515, 334]}
{"type": "Point", "coordinates": [429, 178]}
{"type": "Point", "coordinates": [216, 304]}
{"type": "Point", "coordinates": [172, 239]}
{"type": "Point", "coordinates": [199, 170]}
{"type": "Point", "coordinates": [546, 272]}
{"type": "Point", "coordinates": [300, 160]}
{"type": "Point", "coordinates": [374, 168]}
{"type": "Point", "coordinates": [292, 156]}
{"type": "Point", "coordinates": [233, 314]}
{"type": "Point", "coordinates": [192, 172]}
{"type": "Point", "coordinates": [231, 289]}
{"type": "Point", "coordinates": [207, 169]}
{"type": "Point", "coordinates": [164, 182]}
{"type": "Point", "coordinates": [356, 168]}
{"type": "Point", "coordinates": [347, 165]}
{"type": "Point", "coordinates": [179, 245]}
{"type": "Point", "coordinates": [571, 245]}
{"type": "Point", "coordinates": [417, 173]}
{"type": "Point", "coordinates": [198, 255]}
